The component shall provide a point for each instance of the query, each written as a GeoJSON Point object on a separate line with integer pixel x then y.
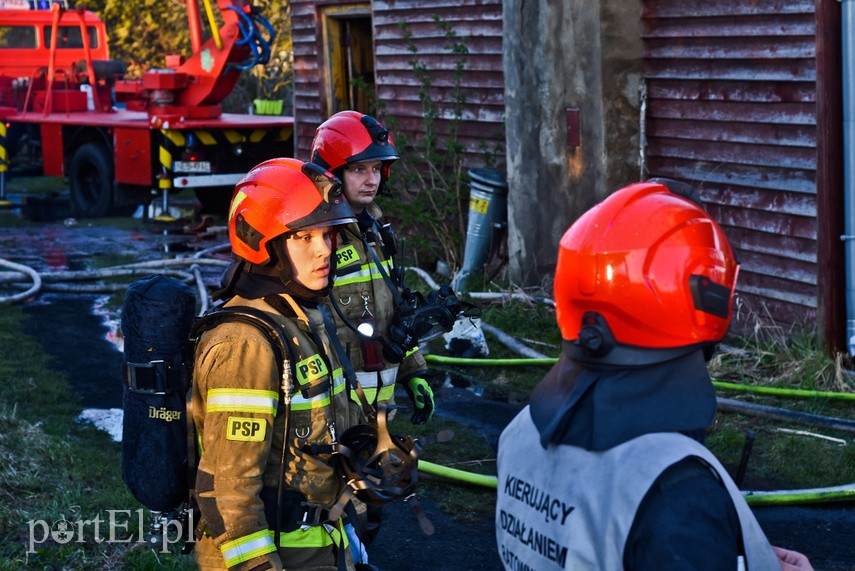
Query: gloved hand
{"type": "Point", "coordinates": [421, 394]}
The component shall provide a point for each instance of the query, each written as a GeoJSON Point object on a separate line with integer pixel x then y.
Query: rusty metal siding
{"type": "Point", "coordinates": [478, 25]}
{"type": "Point", "coordinates": [308, 111]}
{"type": "Point", "coordinates": [731, 108]}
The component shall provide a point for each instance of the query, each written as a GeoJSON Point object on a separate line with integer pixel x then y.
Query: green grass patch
{"type": "Point", "coordinates": [56, 470]}
{"type": "Point", "coordinates": [467, 451]}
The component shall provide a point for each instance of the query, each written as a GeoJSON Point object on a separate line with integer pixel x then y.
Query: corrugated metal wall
{"type": "Point", "coordinates": [308, 111]}
{"type": "Point", "coordinates": [477, 25]}
{"type": "Point", "coordinates": [731, 107]}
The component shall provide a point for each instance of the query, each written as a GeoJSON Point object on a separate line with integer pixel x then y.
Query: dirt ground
{"type": "Point", "coordinates": [825, 533]}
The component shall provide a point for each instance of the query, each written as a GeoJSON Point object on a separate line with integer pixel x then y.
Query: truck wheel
{"type": "Point", "coordinates": [91, 181]}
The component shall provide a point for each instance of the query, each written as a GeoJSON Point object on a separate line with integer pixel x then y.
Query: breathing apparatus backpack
{"type": "Point", "coordinates": [157, 315]}
{"type": "Point", "coordinates": [160, 327]}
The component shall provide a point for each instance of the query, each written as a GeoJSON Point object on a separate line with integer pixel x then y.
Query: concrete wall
{"type": "Point", "coordinates": [579, 54]}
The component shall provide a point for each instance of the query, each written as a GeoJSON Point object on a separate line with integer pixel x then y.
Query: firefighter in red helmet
{"type": "Point", "coordinates": [359, 150]}
{"type": "Point", "coordinates": [267, 499]}
{"type": "Point", "coordinates": [607, 461]}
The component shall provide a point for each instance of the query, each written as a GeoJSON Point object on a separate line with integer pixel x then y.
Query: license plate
{"type": "Point", "coordinates": [192, 166]}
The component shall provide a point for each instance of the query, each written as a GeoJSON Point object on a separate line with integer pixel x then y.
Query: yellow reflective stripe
{"type": "Point", "coordinates": [238, 198]}
{"type": "Point", "coordinates": [257, 135]}
{"type": "Point", "coordinates": [313, 537]}
{"type": "Point", "coordinates": [247, 547]}
{"type": "Point", "coordinates": [366, 273]}
{"type": "Point", "coordinates": [233, 136]}
{"type": "Point", "coordinates": [386, 394]}
{"type": "Point", "coordinates": [205, 137]}
{"type": "Point", "coordinates": [165, 157]}
{"type": "Point", "coordinates": [242, 400]}
{"type": "Point", "coordinates": [411, 351]}
{"type": "Point", "coordinates": [298, 402]}
{"type": "Point", "coordinates": [285, 133]}
{"type": "Point", "coordinates": [177, 137]}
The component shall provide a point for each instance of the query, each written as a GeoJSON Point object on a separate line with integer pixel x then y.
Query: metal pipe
{"type": "Point", "coordinates": [831, 269]}
{"type": "Point", "coordinates": [194, 24]}
{"type": "Point", "coordinates": [847, 18]}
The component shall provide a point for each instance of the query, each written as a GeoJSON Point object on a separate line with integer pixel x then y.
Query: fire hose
{"type": "Point", "coordinates": [840, 493]}
{"type": "Point", "coordinates": [48, 281]}
{"type": "Point", "coordinates": [57, 281]}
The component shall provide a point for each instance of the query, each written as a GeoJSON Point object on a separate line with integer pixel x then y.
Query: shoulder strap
{"type": "Point", "coordinates": [393, 289]}
{"type": "Point", "coordinates": [349, 373]}
{"type": "Point", "coordinates": [276, 336]}
{"type": "Point", "coordinates": [272, 331]}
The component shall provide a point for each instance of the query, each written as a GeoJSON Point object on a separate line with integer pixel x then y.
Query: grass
{"type": "Point", "coordinates": [35, 185]}
{"type": "Point", "coordinates": [55, 469]}
{"type": "Point", "coordinates": [467, 451]}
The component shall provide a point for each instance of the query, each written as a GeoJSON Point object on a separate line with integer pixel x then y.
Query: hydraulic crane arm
{"type": "Point", "coordinates": [197, 85]}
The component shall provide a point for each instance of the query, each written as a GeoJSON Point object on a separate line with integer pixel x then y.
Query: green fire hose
{"type": "Point", "coordinates": [754, 498]}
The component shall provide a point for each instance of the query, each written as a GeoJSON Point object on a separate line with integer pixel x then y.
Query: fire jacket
{"type": "Point", "coordinates": [241, 413]}
{"type": "Point", "coordinates": [361, 292]}
{"type": "Point", "coordinates": [565, 507]}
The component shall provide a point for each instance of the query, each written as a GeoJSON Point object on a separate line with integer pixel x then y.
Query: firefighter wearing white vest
{"type": "Point", "coordinates": [359, 151]}
{"type": "Point", "coordinates": [257, 426]}
{"type": "Point", "coordinates": [605, 469]}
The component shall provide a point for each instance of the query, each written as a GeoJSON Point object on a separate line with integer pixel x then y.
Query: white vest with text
{"type": "Point", "coordinates": [568, 508]}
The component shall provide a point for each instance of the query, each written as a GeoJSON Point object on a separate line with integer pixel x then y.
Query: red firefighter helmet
{"type": "Point", "coordinates": [645, 268]}
{"type": "Point", "coordinates": [351, 137]}
{"type": "Point", "coordinates": [280, 196]}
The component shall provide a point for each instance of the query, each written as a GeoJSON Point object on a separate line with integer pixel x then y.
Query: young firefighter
{"type": "Point", "coordinates": [256, 472]}
{"type": "Point", "coordinates": [605, 469]}
{"type": "Point", "coordinates": [359, 151]}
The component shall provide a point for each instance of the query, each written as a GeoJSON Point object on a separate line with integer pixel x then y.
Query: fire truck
{"type": "Point", "coordinates": [123, 142]}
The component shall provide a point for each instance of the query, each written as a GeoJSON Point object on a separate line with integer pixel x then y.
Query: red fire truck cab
{"type": "Point", "coordinates": [66, 106]}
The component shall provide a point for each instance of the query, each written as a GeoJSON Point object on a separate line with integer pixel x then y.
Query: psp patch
{"type": "Point", "coordinates": [311, 369]}
{"type": "Point", "coordinates": [346, 256]}
{"type": "Point", "coordinates": [245, 429]}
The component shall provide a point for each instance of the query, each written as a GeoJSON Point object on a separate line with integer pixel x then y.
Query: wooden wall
{"type": "Point", "coordinates": [731, 108]}
{"type": "Point", "coordinates": [405, 31]}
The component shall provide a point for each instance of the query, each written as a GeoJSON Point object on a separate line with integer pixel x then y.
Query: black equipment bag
{"type": "Point", "coordinates": [157, 315]}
